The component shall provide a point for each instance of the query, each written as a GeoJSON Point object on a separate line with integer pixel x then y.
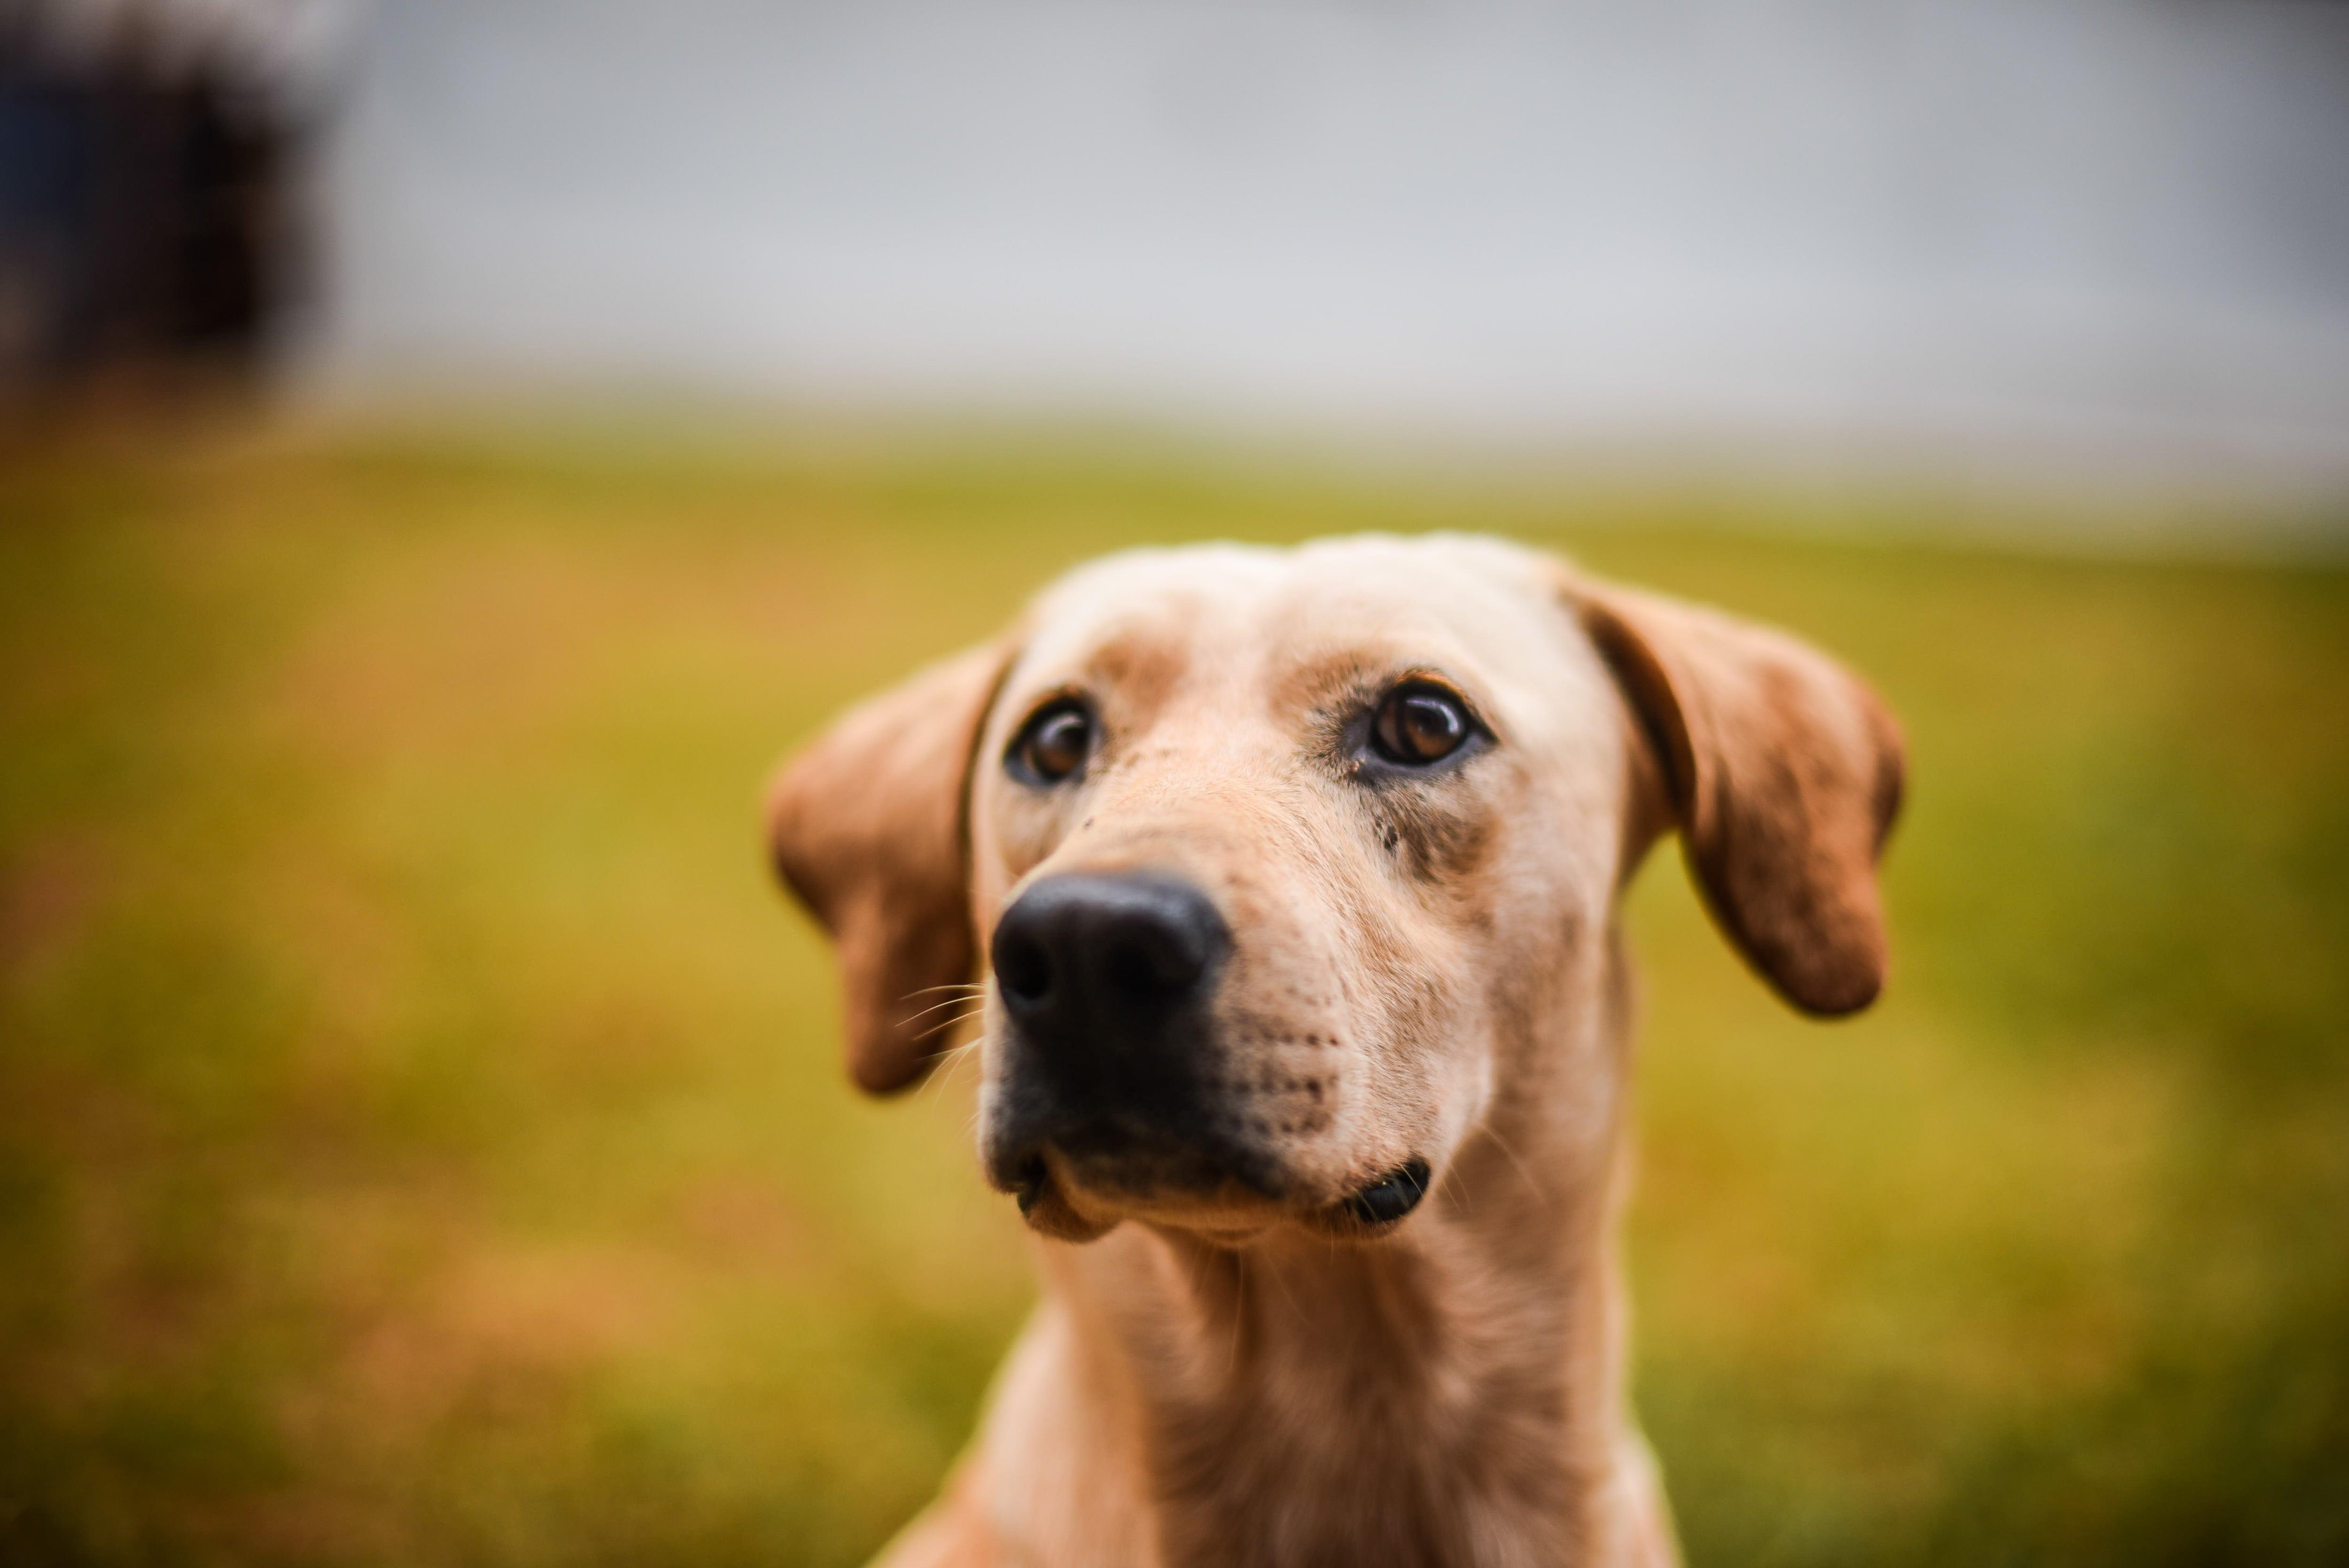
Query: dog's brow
{"type": "Point", "coordinates": [1301, 685]}
{"type": "Point", "coordinates": [1140, 663]}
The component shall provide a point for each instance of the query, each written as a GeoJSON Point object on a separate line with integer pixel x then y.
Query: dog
{"type": "Point", "coordinates": [1306, 1022]}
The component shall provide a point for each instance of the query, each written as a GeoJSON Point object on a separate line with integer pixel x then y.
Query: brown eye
{"type": "Point", "coordinates": [1419, 725]}
{"type": "Point", "coordinates": [1055, 744]}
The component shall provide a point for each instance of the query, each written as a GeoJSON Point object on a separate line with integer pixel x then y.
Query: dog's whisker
{"type": "Point", "coordinates": [1240, 1315]}
{"type": "Point", "coordinates": [948, 1062]}
{"type": "Point", "coordinates": [1281, 1280]}
{"type": "Point", "coordinates": [1502, 1144]}
{"type": "Point", "coordinates": [940, 1007]}
{"type": "Point", "coordinates": [945, 1026]}
{"type": "Point", "coordinates": [940, 1066]}
{"type": "Point", "coordinates": [952, 1059]}
{"type": "Point", "coordinates": [968, 1008]}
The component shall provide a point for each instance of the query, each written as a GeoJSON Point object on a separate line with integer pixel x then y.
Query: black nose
{"type": "Point", "coordinates": [1088, 963]}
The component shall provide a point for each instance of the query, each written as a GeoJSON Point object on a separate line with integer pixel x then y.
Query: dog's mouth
{"type": "Point", "coordinates": [1044, 1202]}
{"type": "Point", "coordinates": [1056, 1202]}
{"type": "Point", "coordinates": [1385, 1202]}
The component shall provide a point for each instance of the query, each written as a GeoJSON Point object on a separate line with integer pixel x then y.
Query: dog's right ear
{"type": "Point", "coordinates": [868, 828]}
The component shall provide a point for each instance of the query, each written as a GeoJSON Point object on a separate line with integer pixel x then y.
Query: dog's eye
{"type": "Point", "coordinates": [1418, 724]}
{"type": "Point", "coordinates": [1054, 744]}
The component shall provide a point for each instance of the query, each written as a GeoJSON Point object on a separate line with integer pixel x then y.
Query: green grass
{"type": "Point", "coordinates": [422, 1139]}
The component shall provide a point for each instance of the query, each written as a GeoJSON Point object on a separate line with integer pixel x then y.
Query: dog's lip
{"type": "Point", "coordinates": [1029, 1181]}
{"type": "Point", "coordinates": [1386, 1203]}
{"type": "Point", "coordinates": [1051, 1203]}
{"type": "Point", "coordinates": [1056, 1201]}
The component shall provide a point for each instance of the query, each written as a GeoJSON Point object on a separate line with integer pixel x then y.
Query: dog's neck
{"type": "Point", "coordinates": [1451, 1394]}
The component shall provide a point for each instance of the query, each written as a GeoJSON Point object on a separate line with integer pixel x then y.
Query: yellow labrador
{"type": "Point", "coordinates": [1306, 1022]}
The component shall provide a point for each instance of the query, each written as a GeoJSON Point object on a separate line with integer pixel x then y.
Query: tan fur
{"type": "Point", "coordinates": [869, 830]}
{"type": "Point", "coordinates": [1430, 970]}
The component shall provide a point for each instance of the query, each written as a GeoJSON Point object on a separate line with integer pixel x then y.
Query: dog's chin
{"type": "Point", "coordinates": [1069, 1201]}
{"type": "Point", "coordinates": [1053, 1204]}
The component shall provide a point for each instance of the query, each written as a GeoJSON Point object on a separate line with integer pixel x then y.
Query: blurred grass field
{"type": "Point", "coordinates": [422, 1137]}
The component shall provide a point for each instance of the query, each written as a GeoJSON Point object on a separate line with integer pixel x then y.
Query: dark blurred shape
{"type": "Point", "coordinates": [145, 219]}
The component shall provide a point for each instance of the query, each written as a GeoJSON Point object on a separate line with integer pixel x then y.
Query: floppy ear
{"type": "Point", "coordinates": [867, 827]}
{"type": "Point", "coordinates": [1783, 772]}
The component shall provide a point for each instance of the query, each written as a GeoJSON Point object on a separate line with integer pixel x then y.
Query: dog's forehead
{"type": "Point", "coordinates": [1151, 615]}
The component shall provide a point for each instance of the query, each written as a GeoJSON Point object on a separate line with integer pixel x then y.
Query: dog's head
{"type": "Point", "coordinates": [1284, 864]}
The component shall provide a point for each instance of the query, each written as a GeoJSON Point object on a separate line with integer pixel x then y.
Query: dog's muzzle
{"type": "Point", "coordinates": [1109, 983]}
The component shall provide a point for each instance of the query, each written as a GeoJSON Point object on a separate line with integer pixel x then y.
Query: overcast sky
{"type": "Point", "coordinates": [2117, 222]}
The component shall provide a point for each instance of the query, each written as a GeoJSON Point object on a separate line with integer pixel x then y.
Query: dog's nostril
{"type": "Point", "coordinates": [1023, 968]}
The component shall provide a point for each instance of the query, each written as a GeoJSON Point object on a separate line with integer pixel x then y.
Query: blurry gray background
{"type": "Point", "coordinates": [2097, 230]}
{"type": "Point", "coordinates": [2107, 235]}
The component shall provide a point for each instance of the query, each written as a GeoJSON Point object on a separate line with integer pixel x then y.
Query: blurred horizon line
{"type": "Point", "coordinates": [2053, 501]}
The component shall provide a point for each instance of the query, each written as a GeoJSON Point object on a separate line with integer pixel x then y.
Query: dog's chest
{"type": "Point", "coordinates": [1370, 1467]}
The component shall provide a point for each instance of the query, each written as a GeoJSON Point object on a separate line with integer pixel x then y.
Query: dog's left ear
{"type": "Point", "coordinates": [1783, 772]}
{"type": "Point", "coordinates": [868, 828]}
